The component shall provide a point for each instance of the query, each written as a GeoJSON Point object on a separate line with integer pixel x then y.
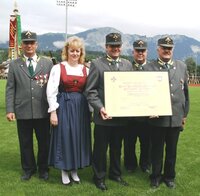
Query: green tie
{"type": "Point", "coordinates": [115, 65]}
{"type": "Point", "coordinates": [166, 66]}
{"type": "Point", "coordinates": [30, 67]}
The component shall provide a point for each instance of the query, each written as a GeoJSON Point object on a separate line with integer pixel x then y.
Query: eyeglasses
{"type": "Point", "coordinates": [140, 50]}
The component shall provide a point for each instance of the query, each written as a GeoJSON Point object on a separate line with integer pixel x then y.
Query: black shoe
{"type": "Point", "coordinates": [75, 181]}
{"type": "Point", "coordinates": [130, 169]}
{"type": "Point", "coordinates": [44, 175]}
{"type": "Point", "coordinates": [100, 184]}
{"type": "Point", "coordinates": [67, 184]}
{"type": "Point", "coordinates": [155, 183]}
{"type": "Point", "coordinates": [119, 180]}
{"type": "Point", "coordinates": [27, 175]}
{"type": "Point", "coordinates": [145, 170]}
{"type": "Point", "coordinates": [169, 183]}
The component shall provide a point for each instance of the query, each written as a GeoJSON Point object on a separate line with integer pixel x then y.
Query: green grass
{"type": "Point", "coordinates": [187, 167]}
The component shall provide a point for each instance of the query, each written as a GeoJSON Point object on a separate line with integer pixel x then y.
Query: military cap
{"type": "Point", "coordinates": [166, 42]}
{"type": "Point", "coordinates": [140, 44]}
{"type": "Point", "coordinates": [28, 36]}
{"type": "Point", "coordinates": [113, 39]}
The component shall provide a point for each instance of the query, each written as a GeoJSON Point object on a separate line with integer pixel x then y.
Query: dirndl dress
{"type": "Point", "coordinates": [70, 144]}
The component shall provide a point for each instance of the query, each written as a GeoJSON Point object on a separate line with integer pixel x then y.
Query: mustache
{"type": "Point", "coordinates": [166, 52]}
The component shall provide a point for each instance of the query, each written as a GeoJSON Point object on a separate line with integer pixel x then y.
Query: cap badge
{"type": "Point", "coordinates": [28, 34]}
{"type": "Point", "coordinates": [141, 43]}
{"type": "Point", "coordinates": [115, 36]}
{"type": "Point", "coordinates": [168, 40]}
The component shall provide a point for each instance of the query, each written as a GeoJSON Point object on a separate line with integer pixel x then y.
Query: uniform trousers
{"type": "Point", "coordinates": [164, 138]}
{"type": "Point", "coordinates": [104, 137]}
{"type": "Point", "coordinates": [141, 130]}
{"type": "Point", "coordinates": [25, 135]}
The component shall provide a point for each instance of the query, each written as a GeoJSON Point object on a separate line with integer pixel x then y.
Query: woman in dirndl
{"type": "Point", "coordinates": [70, 145]}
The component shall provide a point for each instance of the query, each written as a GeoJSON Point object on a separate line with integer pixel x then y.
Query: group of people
{"type": "Point", "coordinates": [56, 103]}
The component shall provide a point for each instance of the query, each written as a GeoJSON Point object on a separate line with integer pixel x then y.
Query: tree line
{"type": "Point", "coordinates": [192, 66]}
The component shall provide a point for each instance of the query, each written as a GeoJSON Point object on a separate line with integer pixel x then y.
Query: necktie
{"type": "Point", "coordinates": [138, 66]}
{"type": "Point", "coordinates": [115, 65]}
{"type": "Point", "coordinates": [166, 66]}
{"type": "Point", "coordinates": [30, 67]}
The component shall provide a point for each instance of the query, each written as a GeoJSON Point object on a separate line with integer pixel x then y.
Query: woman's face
{"type": "Point", "coordinates": [74, 54]}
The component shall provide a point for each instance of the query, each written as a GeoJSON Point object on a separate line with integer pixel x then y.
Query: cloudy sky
{"type": "Point", "coordinates": [146, 17]}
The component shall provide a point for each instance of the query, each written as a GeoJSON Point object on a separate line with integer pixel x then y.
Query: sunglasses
{"type": "Point", "coordinates": [29, 42]}
{"type": "Point", "coordinates": [115, 46]}
{"type": "Point", "coordinates": [140, 50]}
{"type": "Point", "coordinates": [166, 48]}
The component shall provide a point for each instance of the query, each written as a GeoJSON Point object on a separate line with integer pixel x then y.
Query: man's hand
{"type": "Point", "coordinates": [10, 116]}
{"type": "Point", "coordinates": [104, 114]}
{"type": "Point", "coordinates": [183, 122]}
{"type": "Point", "coordinates": [154, 116]}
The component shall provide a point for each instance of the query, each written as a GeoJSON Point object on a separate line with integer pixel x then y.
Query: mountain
{"type": "Point", "coordinates": [95, 41]}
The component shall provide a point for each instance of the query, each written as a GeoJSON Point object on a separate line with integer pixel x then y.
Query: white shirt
{"type": "Point", "coordinates": [34, 61]}
{"type": "Point", "coordinates": [54, 81]}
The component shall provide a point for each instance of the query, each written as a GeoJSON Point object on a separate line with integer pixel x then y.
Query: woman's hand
{"type": "Point", "coordinates": [54, 118]}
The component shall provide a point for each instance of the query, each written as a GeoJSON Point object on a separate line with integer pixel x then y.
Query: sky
{"type": "Point", "coordinates": [145, 17]}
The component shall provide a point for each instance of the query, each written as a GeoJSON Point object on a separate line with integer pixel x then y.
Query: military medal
{"type": "Point", "coordinates": [41, 80]}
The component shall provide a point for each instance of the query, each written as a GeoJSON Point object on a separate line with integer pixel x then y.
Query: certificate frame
{"type": "Point", "coordinates": [137, 93]}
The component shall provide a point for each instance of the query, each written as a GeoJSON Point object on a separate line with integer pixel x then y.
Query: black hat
{"type": "Point", "coordinates": [28, 36]}
{"type": "Point", "coordinates": [166, 42]}
{"type": "Point", "coordinates": [113, 39]}
{"type": "Point", "coordinates": [140, 44]}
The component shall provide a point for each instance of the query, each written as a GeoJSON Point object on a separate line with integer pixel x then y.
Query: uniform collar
{"type": "Point", "coordinates": [35, 58]}
{"type": "Point", "coordinates": [170, 62]}
{"type": "Point", "coordinates": [138, 65]}
{"type": "Point", "coordinates": [110, 59]}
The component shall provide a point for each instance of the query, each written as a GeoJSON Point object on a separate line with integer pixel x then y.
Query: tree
{"type": "Point", "coordinates": [3, 55]}
{"type": "Point", "coordinates": [191, 66]}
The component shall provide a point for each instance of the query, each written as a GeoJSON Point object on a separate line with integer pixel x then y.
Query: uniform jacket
{"type": "Point", "coordinates": [95, 88]}
{"type": "Point", "coordinates": [138, 67]}
{"type": "Point", "coordinates": [179, 93]}
{"type": "Point", "coordinates": [26, 95]}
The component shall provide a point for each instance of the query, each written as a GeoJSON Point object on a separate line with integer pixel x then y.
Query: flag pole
{"type": "Point", "coordinates": [66, 6]}
{"type": "Point", "coordinates": [66, 3]}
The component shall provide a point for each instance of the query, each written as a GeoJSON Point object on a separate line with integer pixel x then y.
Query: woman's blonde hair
{"type": "Point", "coordinates": [75, 43]}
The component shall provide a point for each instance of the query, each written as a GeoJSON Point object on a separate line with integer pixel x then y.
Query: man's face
{"type": "Point", "coordinates": [140, 55]}
{"type": "Point", "coordinates": [113, 51]}
{"type": "Point", "coordinates": [29, 48]}
{"type": "Point", "coordinates": [165, 53]}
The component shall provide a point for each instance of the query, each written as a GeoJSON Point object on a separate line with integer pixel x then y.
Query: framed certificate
{"type": "Point", "coordinates": [139, 93]}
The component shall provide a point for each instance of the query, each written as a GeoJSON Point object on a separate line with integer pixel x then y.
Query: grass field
{"type": "Point", "coordinates": [187, 167]}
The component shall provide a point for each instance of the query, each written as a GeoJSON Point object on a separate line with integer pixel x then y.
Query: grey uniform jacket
{"type": "Point", "coordinates": [26, 95]}
{"type": "Point", "coordinates": [95, 88]}
{"type": "Point", "coordinates": [178, 79]}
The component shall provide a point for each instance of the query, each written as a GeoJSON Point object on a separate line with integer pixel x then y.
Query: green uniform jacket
{"type": "Point", "coordinates": [25, 94]}
{"type": "Point", "coordinates": [178, 81]}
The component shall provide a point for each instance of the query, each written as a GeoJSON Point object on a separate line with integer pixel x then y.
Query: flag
{"type": "Point", "coordinates": [14, 36]}
{"type": "Point", "coordinates": [13, 29]}
{"type": "Point", "coordinates": [19, 30]}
